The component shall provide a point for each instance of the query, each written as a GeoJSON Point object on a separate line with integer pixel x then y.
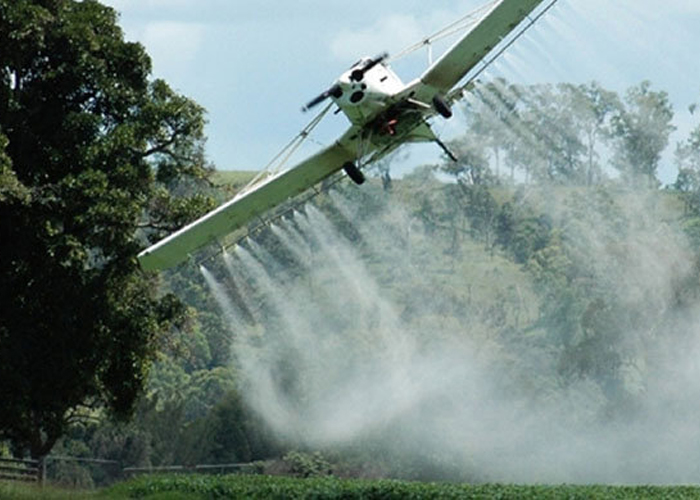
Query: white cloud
{"type": "Point", "coordinates": [689, 6]}
{"type": "Point", "coordinates": [172, 44]}
{"type": "Point", "coordinates": [392, 34]}
{"type": "Point", "coordinates": [144, 5]}
{"type": "Point", "coordinates": [395, 32]}
{"type": "Point", "coordinates": [166, 28]}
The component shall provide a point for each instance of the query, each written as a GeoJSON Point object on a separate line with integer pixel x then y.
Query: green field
{"type": "Point", "coordinates": [233, 178]}
{"type": "Point", "coordinates": [267, 487]}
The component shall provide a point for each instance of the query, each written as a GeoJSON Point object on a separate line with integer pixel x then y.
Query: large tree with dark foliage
{"type": "Point", "coordinates": [95, 159]}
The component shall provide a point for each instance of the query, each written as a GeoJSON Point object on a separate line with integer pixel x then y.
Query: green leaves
{"type": "Point", "coordinates": [91, 153]}
{"type": "Point", "coordinates": [641, 132]}
{"type": "Point", "coordinates": [268, 487]}
{"type": "Point", "coordinates": [558, 133]}
{"type": "Point", "coordinates": [10, 186]}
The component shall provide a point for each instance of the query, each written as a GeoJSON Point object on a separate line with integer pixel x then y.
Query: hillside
{"type": "Point", "coordinates": [518, 310]}
{"type": "Point", "coordinates": [234, 179]}
{"type": "Point", "coordinates": [524, 315]}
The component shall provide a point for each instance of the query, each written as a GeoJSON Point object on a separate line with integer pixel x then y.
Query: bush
{"type": "Point", "coordinates": [268, 487]}
{"type": "Point", "coordinates": [307, 464]}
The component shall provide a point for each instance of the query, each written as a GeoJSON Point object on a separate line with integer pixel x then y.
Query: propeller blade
{"type": "Point", "coordinates": [315, 101]}
{"type": "Point", "coordinates": [334, 91]}
{"type": "Point", "coordinates": [358, 74]}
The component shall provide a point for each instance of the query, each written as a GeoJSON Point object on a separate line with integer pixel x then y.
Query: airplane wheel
{"type": "Point", "coordinates": [442, 107]}
{"type": "Point", "coordinates": [354, 173]}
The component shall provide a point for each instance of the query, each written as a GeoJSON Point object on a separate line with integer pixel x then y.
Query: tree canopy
{"type": "Point", "coordinates": [96, 158]}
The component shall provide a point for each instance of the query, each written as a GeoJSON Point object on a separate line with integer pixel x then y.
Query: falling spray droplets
{"type": "Point", "coordinates": [294, 243]}
{"type": "Point", "coordinates": [331, 330]}
{"type": "Point", "coordinates": [332, 359]}
{"type": "Point", "coordinates": [221, 295]}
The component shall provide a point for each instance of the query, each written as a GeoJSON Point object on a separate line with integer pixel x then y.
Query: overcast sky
{"type": "Point", "coordinates": [253, 64]}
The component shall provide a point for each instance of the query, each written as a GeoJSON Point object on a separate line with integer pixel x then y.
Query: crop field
{"type": "Point", "coordinates": [267, 487]}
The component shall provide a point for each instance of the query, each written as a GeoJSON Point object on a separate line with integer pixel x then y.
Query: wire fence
{"type": "Point", "coordinates": [243, 468]}
{"type": "Point", "coordinates": [88, 473]}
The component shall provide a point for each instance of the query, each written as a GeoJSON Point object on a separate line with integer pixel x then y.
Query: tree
{"type": "Point", "coordinates": [591, 108]}
{"type": "Point", "coordinates": [687, 157]}
{"type": "Point", "coordinates": [493, 119]}
{"type": "Point", "coordinates": [641, 130]}
{"type": "Point", "coordinates": [551, 133]}
{"type": "Point", "coordinates": [96, 159]}
{"type": "Point", "coordinates": [551, 148]}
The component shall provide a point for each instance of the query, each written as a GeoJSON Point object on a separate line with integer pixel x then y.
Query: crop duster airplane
{"type": "Point", "coordinates": [384, 113]}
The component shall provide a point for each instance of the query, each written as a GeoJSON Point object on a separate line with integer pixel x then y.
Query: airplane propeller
{"type": "Point", "coordinates": [359, 73]}
{"type": "Point", "coordinates": [334, 91]}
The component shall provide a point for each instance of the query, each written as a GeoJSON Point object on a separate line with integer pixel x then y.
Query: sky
{"type": "Point", "coordinates": [253, 64]}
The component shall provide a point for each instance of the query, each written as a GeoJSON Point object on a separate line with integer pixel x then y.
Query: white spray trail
{"type": "Point", "coordinates": [221, 295]}
{"type": "Point", "coordinates": [337, 363]}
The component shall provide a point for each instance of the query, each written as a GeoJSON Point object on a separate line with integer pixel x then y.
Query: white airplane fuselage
{"type": "Point", "coordinates": [363, 99]}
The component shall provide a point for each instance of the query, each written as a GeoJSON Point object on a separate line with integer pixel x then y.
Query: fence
{"type": "Point", "coordinates": [54, 469]}
{"type": "Point", "coordinates": [82, 472]}
{"type": "Point", "coordinates": [90, 472]}
{"type": "Point", "coordinates": [13, 469]}
{"type": "Point", "coordinates": [193, 469]}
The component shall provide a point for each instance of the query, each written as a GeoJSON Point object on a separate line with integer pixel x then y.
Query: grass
{"type": "Point", "coordinates": [23, 491]}
{"type": "Point", "coordinates": [193, 487]}
{"type": "Point", "coordinates": [233, 178]}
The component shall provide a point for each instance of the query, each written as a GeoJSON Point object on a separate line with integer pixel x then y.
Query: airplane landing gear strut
{"type": "Point", "coordinates": [447, 151]}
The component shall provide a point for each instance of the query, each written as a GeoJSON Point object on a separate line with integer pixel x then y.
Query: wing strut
{"type": "Point", "coordinates": [280, 160]}
{"type": "Point", "coordinates": [451, 29]}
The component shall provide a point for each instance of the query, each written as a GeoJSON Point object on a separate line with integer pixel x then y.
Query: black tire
{"type": "Point", "coordinates": [354, 173]}
{"type": "Point", "coordinates": [442, 107]}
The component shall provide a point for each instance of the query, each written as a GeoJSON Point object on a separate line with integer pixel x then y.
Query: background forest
{"type": "Point", "coordinates": [528, 313]}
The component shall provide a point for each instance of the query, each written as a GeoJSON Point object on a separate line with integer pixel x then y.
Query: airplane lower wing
{"type": "Point", "coordinates": [250, 204]}
{"type": "Point", "coordinates": [467, 52]}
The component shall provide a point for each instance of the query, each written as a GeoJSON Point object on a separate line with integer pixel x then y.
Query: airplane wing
{"type": "Point", "coordinates": [500, 19]}
{"type": "Point", "coordinates": [249, 204]}
{"type": "Point", "coordinates": [467, 52]}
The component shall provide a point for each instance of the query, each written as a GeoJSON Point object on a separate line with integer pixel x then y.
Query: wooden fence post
{"type": "Point", "coordinates": [41, 470]}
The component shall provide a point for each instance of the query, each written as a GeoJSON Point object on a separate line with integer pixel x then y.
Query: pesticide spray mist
{"type": "Point", "coordinates": [357, 327]}
{"type": "Point", "coordinates": [350, 334]}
